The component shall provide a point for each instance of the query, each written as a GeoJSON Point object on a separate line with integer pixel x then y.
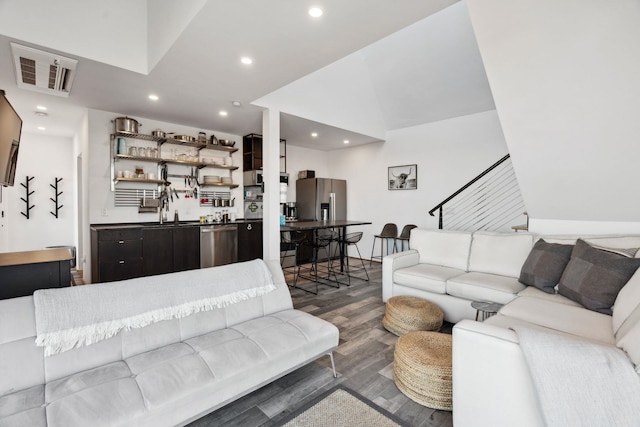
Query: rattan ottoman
{"type": "Point", "coordinates": [406, 313]}
{"type": "Point", "coordinates": [422, 368]}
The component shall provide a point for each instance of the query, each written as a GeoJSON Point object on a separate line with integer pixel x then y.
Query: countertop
{"type": "Point", "coordinates": [34, 257]}
{"type": "Point", "coordinates": [194, 223]}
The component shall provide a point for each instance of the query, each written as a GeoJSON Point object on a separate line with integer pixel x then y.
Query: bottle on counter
{"type": "Point", "coordinates": [176, 220]}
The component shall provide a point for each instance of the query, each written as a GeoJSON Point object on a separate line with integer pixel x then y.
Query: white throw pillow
{"type": "Point", "coordinates": [499, 253]}
{"type": "Point", "coordinates": [442, 247]}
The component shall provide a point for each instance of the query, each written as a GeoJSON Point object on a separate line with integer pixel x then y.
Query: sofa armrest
{"type": "Point", "coordinates": [391, 263]}
{"type": "Point", "coordinates": [491, 381]}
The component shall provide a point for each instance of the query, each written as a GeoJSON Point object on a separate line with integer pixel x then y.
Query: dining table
{"type": "Point", "coordinates": [336, 224]}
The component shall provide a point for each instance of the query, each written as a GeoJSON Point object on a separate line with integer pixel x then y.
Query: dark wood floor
{"type": "Point", "coordinates": [364, 361]}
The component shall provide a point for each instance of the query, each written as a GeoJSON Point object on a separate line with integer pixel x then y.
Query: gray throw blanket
{"type": "Point", "coordinates": [83, 315]}
{"type": "Point", "coordinates": [581, 383]}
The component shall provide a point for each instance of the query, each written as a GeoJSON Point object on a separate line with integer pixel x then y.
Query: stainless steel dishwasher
{"type": "Point", "coordinates": [218, 245]}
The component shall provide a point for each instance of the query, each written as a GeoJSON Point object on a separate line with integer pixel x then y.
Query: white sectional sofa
{"type": "Point", "coordinates": [454, 268]}
{"type": "Point", "coordinates": [496, 380]}
{"type": "Point", "coordinates": [167, 373]}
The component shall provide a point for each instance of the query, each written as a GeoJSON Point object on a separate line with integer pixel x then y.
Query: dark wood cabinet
{"type": "Point", "coordinates": [124, 253]}
{"type": "Point", "coordinates": [22, 273]}
{"type": "Point", "coordinates": [116, 254]}
{"type": "Point", "coordinates": [186, 248]}
{"type": "Point", "coordinates": [157, 250]}
{"type": "Point", "coordinates": [249, 240]}
{"type": "Point", "coordinates": [252, 152]}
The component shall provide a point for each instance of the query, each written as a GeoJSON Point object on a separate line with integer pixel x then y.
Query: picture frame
{"type": "Point", "coordinates": [403, 177]}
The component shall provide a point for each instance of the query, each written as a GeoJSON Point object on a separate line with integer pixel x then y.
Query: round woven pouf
{"type": "Point", "coordinates": [405, 314]}
{"type": "Point", "coordinates": [422, 368]}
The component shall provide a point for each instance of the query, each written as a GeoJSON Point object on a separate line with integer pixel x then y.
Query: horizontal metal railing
{"type": "Point", "coordinates": [491, 201]}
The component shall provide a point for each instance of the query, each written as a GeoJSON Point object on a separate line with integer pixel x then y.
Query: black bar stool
{"type": "Point", "coordinates": [389, 232]}
{"type": "Point", "coordinates": [320, 242]}
{"type": "Point", "coordinates": [405, 235]}
{"type": "Point", "coordinates": [346, 241]}
{"type": "Point", "coordinates": [291, 241]}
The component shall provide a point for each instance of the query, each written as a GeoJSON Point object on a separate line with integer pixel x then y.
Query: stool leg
{"type": "Point", "coordinates": [372, 249]}
{"type": "Point", "coordinates": [362, 262]}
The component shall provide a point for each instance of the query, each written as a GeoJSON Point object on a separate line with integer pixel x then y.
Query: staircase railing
{"type": "Point", "coordinates": [490, 201]}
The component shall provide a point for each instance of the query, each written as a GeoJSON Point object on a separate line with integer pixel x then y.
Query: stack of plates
{"type": "Point", "coordinates": [227, 180]}
{"type": "Point", "coordinates": [211, 179]}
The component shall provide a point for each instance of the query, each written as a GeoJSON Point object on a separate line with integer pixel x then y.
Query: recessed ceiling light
{"type": "Point", "coordinates": [236, 103]}
{"type": "Point", "coordinates": [41, 108]}
{"type": "Point", "coordinates": [223, 113]}
{"type": "Point", "coordinates": [314, 134]}
{"type": "Point", "coordinates": [346, 141]}
{"type": "Point", "coordinates": [153, 97]}
{"type": "Point", "coordinates": [315, 12]}
{"type": "Point", "coordinates": [42, 128]}
{"type": "Point", "coordinates": [246, 60]}
{"type": "Point", "coordinates": [40, 113]}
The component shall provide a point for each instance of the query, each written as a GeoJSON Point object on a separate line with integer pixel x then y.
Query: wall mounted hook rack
{"type": "Point", "coordinates": [56, 202]}
{"type": "Point", "coordinates": [27, 195]}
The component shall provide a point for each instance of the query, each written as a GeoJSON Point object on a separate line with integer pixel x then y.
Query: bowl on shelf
{"type": "Point", "coordinates": [226, 142]}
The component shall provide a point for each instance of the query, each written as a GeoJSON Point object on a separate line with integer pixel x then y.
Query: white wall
{"type": "Point", "coordinates": [45, 158]}
{"type": "Point", "coordinates": [349, 102]}
{"type": "Point", "coordinates": [564, 77]}
{"type": "Point", "coordinates": [448, 153]}
{"type": "Point", "coordinates": [113, 32]}
{"type": "Point", "coordinates": [99, 175]}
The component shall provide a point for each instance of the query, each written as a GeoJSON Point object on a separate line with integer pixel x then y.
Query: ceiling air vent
{"type": "Point", "coordinates": [43, 71]}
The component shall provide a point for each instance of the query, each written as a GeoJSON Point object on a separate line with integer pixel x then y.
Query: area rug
{"type": "Point", "coordinates": [341, 407]}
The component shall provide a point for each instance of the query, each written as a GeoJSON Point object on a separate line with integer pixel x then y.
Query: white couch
{"type": "Point", "coordinates": [165, 374]}
{"type": "Point", "coordinates": [492, 381]}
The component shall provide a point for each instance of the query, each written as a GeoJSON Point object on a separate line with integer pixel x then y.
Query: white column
{"type": "Point", "coordinates": [271, 177]}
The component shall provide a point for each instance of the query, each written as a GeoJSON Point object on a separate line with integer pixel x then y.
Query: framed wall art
{"type": "Point", "coordinates": [403, 177]}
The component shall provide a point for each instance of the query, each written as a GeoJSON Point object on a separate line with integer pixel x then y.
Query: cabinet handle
{"type": "Point", "coordinates": [121, 242]}
{"type": "Point", "coordinates": [121, 261]}
{"type": "Point", "coordinates": [249, 227]}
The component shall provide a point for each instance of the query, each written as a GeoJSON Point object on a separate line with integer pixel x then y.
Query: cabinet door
{"type": "Point", "coordinates": [157, 250]}
{"type": "Point", "coordinates": [250, 241]}
{"type": "Point", "coordinates": [186, 248]}
{"type": "Point", "coordinates": [120, 269]}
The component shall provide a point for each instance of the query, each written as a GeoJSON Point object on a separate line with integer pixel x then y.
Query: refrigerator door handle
{"type": "Point", "coordinates": [332, 206]}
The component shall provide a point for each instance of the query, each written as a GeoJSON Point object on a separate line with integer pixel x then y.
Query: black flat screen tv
{"type": "Point", "coordinates": [10, 130]}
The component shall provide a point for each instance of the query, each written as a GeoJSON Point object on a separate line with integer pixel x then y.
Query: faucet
{"type": "Point", "coordinates": [164, 200]}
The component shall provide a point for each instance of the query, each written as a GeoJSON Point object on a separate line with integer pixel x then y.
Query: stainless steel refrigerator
{"type": "Point", "coordinates": [318, 199]}
{"type": "Point", "coordinates": [321, 198]}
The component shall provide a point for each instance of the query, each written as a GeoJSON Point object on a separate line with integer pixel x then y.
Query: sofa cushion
{"type": "Point", "coordinates": [21, 401]}
{"type": "Point", "coordinates": [172, 379]}
{"type": "Point", "coordinates": [594, 277]}
{"type": "Point", "coordinates": [530, 291]}
{"type": "Point", "coordinates": [544, 266]}
{"type": "Point", "coordinates": [561, 317]}
{"type": "Point", "coordinates": [499, 253]}
{"type": "Point", "coordinates": [59, 389]}
{"type": "Point", "coordinates": [442, 247]}
{"type": "Point", "coordinates": [426, 277]}
{"type": "Point", "coordinates": [628, 337]}
{"type": "Point", "coordinates": [484, 287]}
{"type": "Point", "coordinates": [627, 301]}
{"type": "Point", "coordinates": [104, 405]}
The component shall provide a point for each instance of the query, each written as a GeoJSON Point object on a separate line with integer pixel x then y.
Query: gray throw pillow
{"type": "Point", "coordinates": [544, 266]}
{"type": "Point", "coordinates": [594, 277]}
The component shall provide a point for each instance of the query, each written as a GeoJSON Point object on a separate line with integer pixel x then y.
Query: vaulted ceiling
{"type": "Point", "coordinates": [362, 68]}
